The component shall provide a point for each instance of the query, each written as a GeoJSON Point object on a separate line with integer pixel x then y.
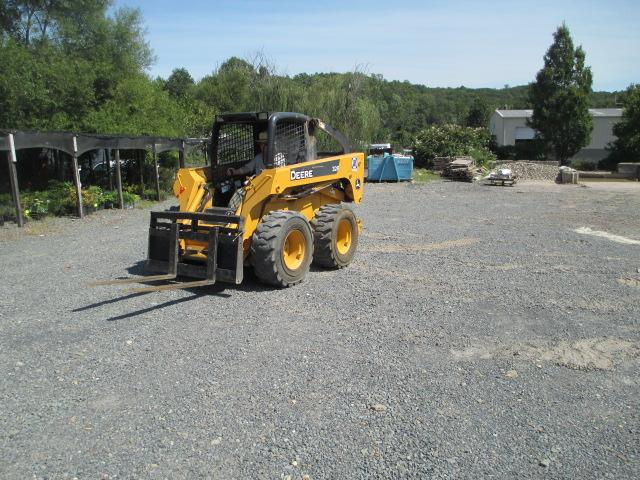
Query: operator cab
{"type": "Point", "coordinates": [288, 138]}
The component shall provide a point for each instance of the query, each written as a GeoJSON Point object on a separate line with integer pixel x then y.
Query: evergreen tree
{"type": "Point", "coordinates": [626, 147]}
{"type": "Point", "coordinates": [560, 97]}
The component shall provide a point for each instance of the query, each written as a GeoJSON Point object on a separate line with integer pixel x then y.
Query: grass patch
{"type": "Point", "coordinates": [44, 226]}
{"type": "Point", "coordinates": [143, 204]}
{"type": "Point", "coordinates": [422, 175]}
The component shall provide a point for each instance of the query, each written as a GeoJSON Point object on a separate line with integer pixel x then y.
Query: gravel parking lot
{"type": "Point", "coordinates": [476, 335]}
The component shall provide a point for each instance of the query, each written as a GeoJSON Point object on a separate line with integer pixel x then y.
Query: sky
{"type": "Point", "coordinates": [432, 42]}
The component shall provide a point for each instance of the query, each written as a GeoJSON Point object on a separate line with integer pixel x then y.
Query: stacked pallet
{"type": "Point", "coordinates": [461, 169]}
{"type": "Point", "coordinates": [502, 176]}
{"type": "Point", "coordinates": [441, 163]}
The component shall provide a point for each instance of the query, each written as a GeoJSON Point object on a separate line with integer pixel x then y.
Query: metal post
{"type": "Point", "coordinates": [181, 154]}
{"type": "Point", "coordinates": [119, 179]}
{"type": "Point", "coordinates": [76, 179]}
{"type": "Point", "coordinates": [157, 170]}
{"type": "Point", "coordinates": [12, 159]}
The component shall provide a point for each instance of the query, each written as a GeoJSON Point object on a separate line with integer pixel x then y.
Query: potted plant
{"type": "Point", "coordinates": [62, 197]}
{"type": "Point", "coordinates": [38, 206]}
{"type": "Point", "coordinates": [7, 213]}
{"type": "Point", "coordinates": [130, 199]}
{"type": "Point", "coordinates": [110, 199]}
{"type": "Point", "coordinates": [91, 198]}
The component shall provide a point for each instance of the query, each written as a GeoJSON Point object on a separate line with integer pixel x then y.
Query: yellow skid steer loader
{"type": "Point", "coordinates": [275, 197]}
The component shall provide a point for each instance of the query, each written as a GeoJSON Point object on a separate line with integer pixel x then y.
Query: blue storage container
{"type": "Point", "coordinates": [389, 168]}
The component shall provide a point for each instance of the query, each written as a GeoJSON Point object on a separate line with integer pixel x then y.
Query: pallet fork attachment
{"type": "Point", "coordinates": [173, 286]}
{"type": "Point", "coordinates": [124, 281]}
{"type": "Point", "coordinates": [214, 228]}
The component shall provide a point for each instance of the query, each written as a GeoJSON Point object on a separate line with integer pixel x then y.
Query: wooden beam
{"type": "Point", "coordinates": [12, 159]}
{"type": "Point", "coordinates": [107, 161]}
{"type": "Point", "coordinates": [141, 159]}
{"type": "Point", "coordinates": [181, 154]}
{"type": "Point", "coordinates": [156, 169]}
{"type": "Point", "coordinates": [76, 179]}
{"type": "Point", "coordinates": [118, 179]}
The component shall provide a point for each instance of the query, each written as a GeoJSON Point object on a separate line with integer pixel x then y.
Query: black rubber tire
{"type": "Point", "coordinates": [267, 244]}
{"type": "Point", "coordinates": [325, 229]}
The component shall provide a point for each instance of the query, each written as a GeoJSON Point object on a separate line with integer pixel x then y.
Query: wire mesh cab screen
{"type": "Point", "coordinates": [289, 143]}
{"type": "Point", "coordinates": [235, 143]}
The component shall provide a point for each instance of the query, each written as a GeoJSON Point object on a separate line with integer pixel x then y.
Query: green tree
{"type": "Point", "coordinates": [179, 83]}
{"type": "Point", "coordinates": [138, 107]}
{"type": "Point", "coordinates": [115, 45]}
{"type": "Point", "coordinates": [55, 94]}
{"type": "Point", "coordinates": [560, 97]}
{"type": "Point", "coordinates": [8, 23]}
{"type": "Point", "coordinates": [229, 88]}
{"type": "Point", "coordinates": [478, 116]}
{"type": "Point", "coordinates": [63, 59]}
{"type": "Point", "coordinates": [42, 21]}
{"type": "Point", "coordinates": [626, 147]}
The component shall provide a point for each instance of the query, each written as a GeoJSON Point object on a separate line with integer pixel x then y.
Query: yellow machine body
{"type": "Point", "coordinates": [275, 189]}
{"type": "Point", "coordinates": [269, 200]}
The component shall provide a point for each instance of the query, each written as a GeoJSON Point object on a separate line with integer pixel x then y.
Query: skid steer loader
{"type": "Point", "coordinates": [290, 211]}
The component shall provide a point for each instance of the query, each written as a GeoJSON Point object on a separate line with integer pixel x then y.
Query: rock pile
{"type": "Point", "coordinates": [531, 171]}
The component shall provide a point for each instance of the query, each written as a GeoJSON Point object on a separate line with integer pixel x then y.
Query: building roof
{"type": "Point", "coordinates": [515, 113]}
{"type": "Point", "coordinates": [596, 112]}
{"type": "Point", "coordinates": [606, 112]}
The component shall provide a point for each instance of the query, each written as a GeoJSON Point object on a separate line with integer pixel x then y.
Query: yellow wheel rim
{"type": "Point", "coordinates": [294, 250]}
{"type": "Point", "coordinates": [344, 236]}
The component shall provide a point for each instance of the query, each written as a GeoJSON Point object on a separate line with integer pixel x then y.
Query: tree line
{"type": "Point", "coordinates": [70, 65]}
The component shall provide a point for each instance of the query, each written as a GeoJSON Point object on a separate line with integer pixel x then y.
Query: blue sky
{"type": "Point", "coordinates": [435, 43]}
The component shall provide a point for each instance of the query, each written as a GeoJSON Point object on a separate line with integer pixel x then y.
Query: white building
{"type": "Point", "coordinates": [510, 126]}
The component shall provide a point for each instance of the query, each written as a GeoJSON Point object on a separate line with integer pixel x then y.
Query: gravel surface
{"type": "Point", "coordinates": [476, 335]}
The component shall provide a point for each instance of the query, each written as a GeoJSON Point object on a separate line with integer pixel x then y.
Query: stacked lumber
{"type": "Point", "coordinates": [440, 163]}
{"type": "Point", "coordinates": [461, 169]}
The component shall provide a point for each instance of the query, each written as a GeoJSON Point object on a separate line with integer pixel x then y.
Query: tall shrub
{"type": "Point", "coordinates": [452, 140]}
